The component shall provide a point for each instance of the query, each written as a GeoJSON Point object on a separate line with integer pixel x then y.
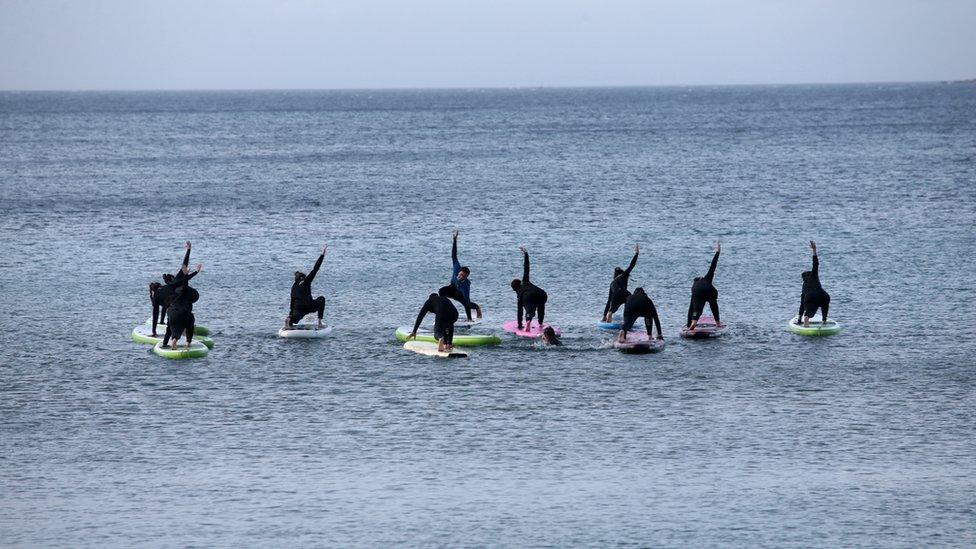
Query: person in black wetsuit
{"type": "Point", "coordinates": [460, 287]}
{"type": "Point", "coordinates": [445, 315]}
{"type": "Point", "coordinates": [531, 298]}
{"type": "Point", "coordinates": [639, 305]}
{"type": "Point", "coordinates": [813, 295]}
{"type": "Point", "coordinates": [181, 320]}
{"type": "Point", "coordinates": [301, 296]}
{"type": "Point", "coordinates": [162, 294]}
{"type": "Point", "coordinates": [702, 291]}
{"type": "Point", "coordinates": [618, 288]}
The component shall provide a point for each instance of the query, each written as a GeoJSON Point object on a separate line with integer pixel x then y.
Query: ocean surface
{"type": "Point", "coordinates": [761, 438]}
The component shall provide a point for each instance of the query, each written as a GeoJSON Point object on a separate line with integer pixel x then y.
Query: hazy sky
{"type": "Point", "coordinates": [200, 44]}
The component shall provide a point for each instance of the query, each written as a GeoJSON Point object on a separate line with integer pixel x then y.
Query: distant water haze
{"type": "Point", "coordinates": [302, 44]}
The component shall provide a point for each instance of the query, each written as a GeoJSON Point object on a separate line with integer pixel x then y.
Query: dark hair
{"type": "Point", "coordinates": [617, 271]}
{"type": "Point", "coordinates": [167, 278]}
{"type": "Point", "coordinates": [639, 290]}
{"type": "Point", "coordinates": [465, 270]}
{"type": "Point", "coordinates": [806, 274]}
{"type": "Point", "coordinates": [299, 276]}
{"type": "Point", "coordinates": [516, 284]}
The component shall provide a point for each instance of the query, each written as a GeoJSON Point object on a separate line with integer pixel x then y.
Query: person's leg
{"type": "Point", "coordinates": [320, 308]}
{"type": "Point", "coordinates": [450, 337]}
{"type": "Point", "coordinates": [542, 314]}
{"type": "Point", "coordinates": [166, 336]}
{"type": "Point", "coordinates": [189, 330]}
{"type": "Point", "coordinates": [713, 305]}
{"type": "Point", "coordinates": [530, 308]}
{"type": "Point", "coordinates": [823, 309]}
{"type": "Point", "coordinates": [629, 320]}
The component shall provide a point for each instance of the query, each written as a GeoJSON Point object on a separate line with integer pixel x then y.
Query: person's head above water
{"type": "Point", "coordinates": [463, 273]}
{"type": "Point", "coordinates": [299, 276]}
{"type": "Point", "coordinates": [516, 284]}
{"type": "Point", "coordinates": [549, 336]}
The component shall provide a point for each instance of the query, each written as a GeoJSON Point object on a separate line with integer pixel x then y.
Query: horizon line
{"type": "Point", "coordinates": [473, 88]}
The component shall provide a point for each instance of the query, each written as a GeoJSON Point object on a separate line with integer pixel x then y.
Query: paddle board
{"type": "Point", "coordinates": [464, 340]}
{"type": "Point", "coordinates": [536, 331]}
{"type": "Point", "coordinates": [305, 331]}
{"type": "Point", "coordinates": [705, 329]}
{"type": "Point", "coordinates": [430, 349]}
{"type": "Point", "coordinates": [197, 329]}
{"type": "Point", "coordinates": [616, 323]}
{"type": "Point", "coordinates": [816, 328]}
{"type": "Point", "coordinates": [639, 343]}
{"type": "Point", "coordinates": [143, 334]}
{"type": "Point", "coordinates": [196, 350]}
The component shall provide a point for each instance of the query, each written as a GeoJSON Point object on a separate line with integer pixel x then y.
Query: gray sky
{"type": "Point", "coordinates": [223, 44]}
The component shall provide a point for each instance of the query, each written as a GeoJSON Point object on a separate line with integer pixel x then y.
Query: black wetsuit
{"type": "Point", "coordinates": [639, 305]}
{"type": "Point", "coordinates": [181, 320]}
{"type": "Point", "coordinates": [703, 292]}
{"type": "Point", "coordinates": [459, 290]}
{"type": "Point", "coordinates": [163, 295]}
{"type": "Point", "coordinates": [301, 296]}
{"type": "Point", "coordinates": [531, 298]}
{"type": "Point", "coordinates": [445, 315]}
{"type": "Point", "coordinates": [618, 288]}
{"type": "Point", "coordinates": [813, 296]}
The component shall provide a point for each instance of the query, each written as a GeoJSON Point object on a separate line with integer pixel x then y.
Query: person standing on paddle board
{"type": "Point", "coordinates": [639, 305]}
{"type": "Point", "coordinates": [702, 291]}
{"type": "Point", "coordinates": [618, 287]}
{"type": "Point", "coordinates": [445, 315]}
{"type": "Point", "coordinates": [162, 294]}
{"type": "Point", "coordinates": [813, 295]}
{"type": "Point", "coordinates": [301, 296]}
{"type": "Point", "coordinates": [181, 320]}
{"type": "Point", "coordinates": [460, 287]}
{"type": "Point", "coordinates": [531, 298]}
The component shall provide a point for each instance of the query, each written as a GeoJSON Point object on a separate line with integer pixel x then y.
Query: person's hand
{"type": "Point", "coordinates": [455, 235]}
{"type": "Point", "coordinates": [411, 335]}
{"type": "Point", "coordinates": [718, 246]}
{"type": "Point", "coordinates": [199, 267]}
{"type": "Point", "coordinates": [187, 245]}
{"type": "Point", "coordinates": [636, 248]}
{"type": "Point", "coordinates": [522, 249]}
{"type": "Point", "coordinates": [325, 248]}
{"type": "Point", "coordinates": [813, 246]}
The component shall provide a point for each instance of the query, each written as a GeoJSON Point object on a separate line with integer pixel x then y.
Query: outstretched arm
{"type": "Point", "coordinates": [186, 256]}
{"type": "Point", "coordinates": [454, 258]}
{"type": "Point", "coordinates": [525, 265]}
{"type": "Point", "coordinates": [657, 322]}
{"type": "Point", "coordinates": [609, 300]}
{"type": "Point", "coordinates": [816, 261]}
{"type": "Point", "coordinates": [711, 268]}
{"type": "Point", "coordinates": [420, 316]}
{"type": "Point", "coordinates": [518, 316]}
{"type": "Point", "coordinates": [315, 269]}
{"type": "Point", "coordinates": [633, 261]}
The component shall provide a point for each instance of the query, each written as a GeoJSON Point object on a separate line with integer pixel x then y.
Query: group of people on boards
{"type": "Point", "coordinates": [173, 300]}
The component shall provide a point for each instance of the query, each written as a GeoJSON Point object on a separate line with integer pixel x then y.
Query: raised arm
{"type": "Point", "coordinates": [633, 261]}
{"type": "Point", "coordinates": [816, 261]}
{"type": "Point", "coordinates": [454, 258]}
{"type": "Point", "coordinates": [186, 256]}
{"type": "Point", "coordinates": [525, 265]}
{"type": "Point", "coordinates": [315, 269]}
{"type": "Point", "coordinates": [711, 268]}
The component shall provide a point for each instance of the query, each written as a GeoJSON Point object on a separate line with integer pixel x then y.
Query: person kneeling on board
{"type": "Point", "coordinates": [813, 296]}
{"type": "Point", "coordinates": [181, 321]}
{"type": "Point", "coordinates": [445, 315]}
{"type": "Point", "coordinates": [531, 298]}
{"type": "Point", "coordinates": [301, 296]}
{"type": "Point", "coordinates": [460, 287]}
{"type": "Point", "coordinates": [702, 291]}
{"type": "Point", "coordinates": [639, 305]}
{"type": "Point", "coordinates": [618, 287]}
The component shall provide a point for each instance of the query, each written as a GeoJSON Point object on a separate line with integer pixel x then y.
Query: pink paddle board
{"type": "Point", "coordinates": [511, 326]}
{"type": "Point", "coordinates": [639, 343]}
{"type": "Point", "coordinates": [706, 328]}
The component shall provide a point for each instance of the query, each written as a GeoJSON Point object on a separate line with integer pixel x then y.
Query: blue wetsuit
{"type": "Point", "coordinates": [459, 290]}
